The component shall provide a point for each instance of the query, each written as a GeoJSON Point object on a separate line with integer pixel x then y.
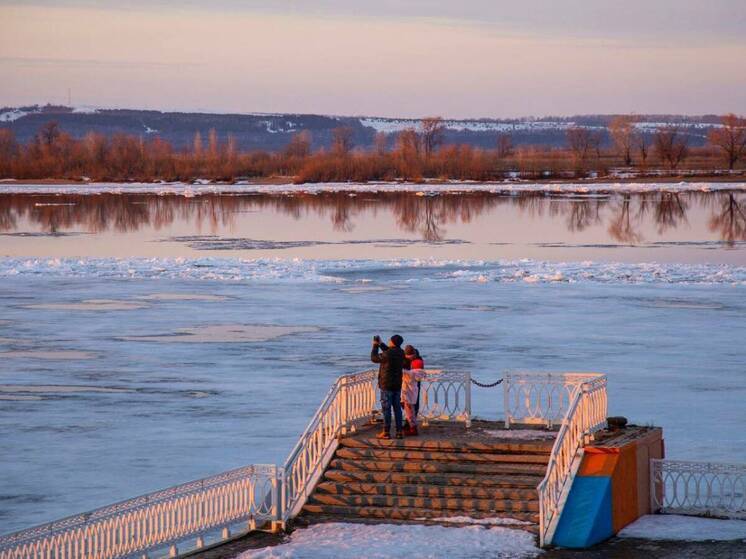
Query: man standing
{"type": "Point", "coordinates": [391, 361]}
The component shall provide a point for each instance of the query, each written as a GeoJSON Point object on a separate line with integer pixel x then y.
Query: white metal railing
{"type": "Point", "coordinates": [350, 399]}
{"type": "Point", "coordinates": [164, 518]}
{"type": "Point", "coordinates": [585, 414]}
{"type": "Point", "coordinates": [541, 398]}
{"type": "Point", "coordinates": [446, 395]}
{"type": "Point", "coordinates": [698, 488]}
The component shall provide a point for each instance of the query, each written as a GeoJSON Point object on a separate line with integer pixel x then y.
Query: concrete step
{"type": "Point", "coordinates": [462, 506]}
{"type": "Point", "coordinates": [405, 513]}
{"type": "Point", "coordinates": [424, 490]}
{"type": "Point", "coordinates": [424, 443]}
{"type": "Point", "coordinates": [393, 454]}
{"type": "Point", "coordinates": [436, 467]}
{"type": "Point", "coordinates": [449, 479]}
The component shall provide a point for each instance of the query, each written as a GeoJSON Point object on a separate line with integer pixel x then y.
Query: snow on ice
{"type": "Point", "coordinates": [685, 528]}
{"type": "Point", "coordinates": [353, 541]}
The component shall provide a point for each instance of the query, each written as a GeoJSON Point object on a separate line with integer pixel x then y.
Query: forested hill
{"type": "Point", "coordinates": [273, 131]}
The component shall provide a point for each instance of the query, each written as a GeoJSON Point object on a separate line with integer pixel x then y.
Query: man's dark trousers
{"type": "Point", "coordinates": [389, 399]}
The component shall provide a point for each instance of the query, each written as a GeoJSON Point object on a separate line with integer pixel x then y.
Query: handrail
{"type": "Point", "coordinates": [156, 519]}
{"type": "Point", "coordinates": [585, 415]}
{"type": "Point", "coordinates": [350, 399]}
{"type": "Point", "coordinates": [698, 488]}
{"type": "Point", "coordinates": [542, 398]}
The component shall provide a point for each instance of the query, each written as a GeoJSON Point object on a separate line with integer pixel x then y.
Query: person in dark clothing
{"type": "Point", "coordinates": [391, 363]}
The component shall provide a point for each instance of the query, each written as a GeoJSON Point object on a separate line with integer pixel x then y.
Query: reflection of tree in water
{"type": "Point", "coordinates": [426, 216]}
{"type": "Point", "coordinates": [670, 211]}
{"type": "Point", "coordinates": [582, 214]}
{"type": "Point", "coordinates": [620, 225]}
{"type": "Point", "coordinates": [341, 218]}
{"type": "Point", "coordinates": [729, 220]}
{"type": "Point", "coordinates": [8, 218]}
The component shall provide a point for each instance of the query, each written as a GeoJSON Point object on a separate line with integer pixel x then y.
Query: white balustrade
{"type": "Point", "coordinates": [584, 415]}
{"type": "Point", "coordinates": [542, 398]}
{"type": "Point", "coordinates": [698, 488]}
{"type": "Point", "coordinates": [350, 400]}
{"type": "Point", "coordinates": [446, 396]}
{"type": "Point", "coordinates": [248, 495]}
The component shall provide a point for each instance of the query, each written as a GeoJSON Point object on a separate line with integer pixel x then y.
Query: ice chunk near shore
{"type": "Point", "coordinates": [347, 541]}
{"type": "Point", "coordinates": [685, 528]}
{"type": "Point", "coordinates": [224, 333]}
{"type": "Point", "coordinates": [51, 354]}
{"type": "Point", "coordinates": [90, 305]}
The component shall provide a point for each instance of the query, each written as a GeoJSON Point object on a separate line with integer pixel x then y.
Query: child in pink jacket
{"type": "Point", "coordinates": [410, 387]}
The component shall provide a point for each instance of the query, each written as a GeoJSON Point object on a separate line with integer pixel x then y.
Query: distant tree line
{"type": "Point", "coordinates": [414, 154]}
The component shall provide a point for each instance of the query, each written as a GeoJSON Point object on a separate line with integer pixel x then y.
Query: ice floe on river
{"type": "Point", "coordinates": [224, 333]}
{"type": "Point", "coordinates": [352, 272]}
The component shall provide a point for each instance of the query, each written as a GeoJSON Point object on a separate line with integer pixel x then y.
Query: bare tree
{"type": "Point", "coordinates": [299, 145]}
{"type": "Point", "coordinates": [731, 138]}
{"type": "Point", "coordinates": [342, 142]}
{"type": "Point", "coordinates": [197, 143]}
{"type": "Point", "coordinates": [212, 143]}
{"type": "Point", "coordinates": [504, 146]}
{"type": "Point", "coordinates": [584, 144]}
{"type": "Point", "coordinates": [622, 131]}
{"type": "Point", "coordinates": [49, 133]}
{"type": "Point", "coordinates": [433, 130]}
{"type": "Point", "coordinates": [8, 151]}
{"type": "Point", "coordinates": [671, 145]}
{"type": "Point", "coordinates": [642, 146]}
{"type": "Point", "coordinates": [408, 147]}
{"type": "Point", "coordinates": [379, 143]}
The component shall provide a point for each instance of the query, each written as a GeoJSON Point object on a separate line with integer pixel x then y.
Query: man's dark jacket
{"type": "Point", "coordinates": [391, 361]}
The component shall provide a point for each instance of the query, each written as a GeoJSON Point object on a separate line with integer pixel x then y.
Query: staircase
{"type": "Point", "coordinates": [446, 472]}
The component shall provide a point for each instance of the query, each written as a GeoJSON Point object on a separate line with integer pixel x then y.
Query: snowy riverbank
{"type": "Point", "coordinates": [451, 187]}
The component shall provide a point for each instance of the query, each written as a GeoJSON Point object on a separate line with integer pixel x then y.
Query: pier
{"type": "Point", "coordinates": [551, 466]}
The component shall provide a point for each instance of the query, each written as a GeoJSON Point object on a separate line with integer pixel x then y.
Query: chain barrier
{"type": "Point", "coordinates": [483, 385]}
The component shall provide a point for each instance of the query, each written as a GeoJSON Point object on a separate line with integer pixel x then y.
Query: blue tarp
{"type": "Point", "coordinates": [586, 519]}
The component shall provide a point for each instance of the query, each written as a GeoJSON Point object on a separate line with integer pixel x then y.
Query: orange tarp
{"type": "Point", "coordinates": [599, 461]}
{"type": "Point", "coordinates": [624, 492]}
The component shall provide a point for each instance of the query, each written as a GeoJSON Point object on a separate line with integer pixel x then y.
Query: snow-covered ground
{"type": "Point", "coordinates": [353, 541]}
{"type": "Point", "coordinates": [685, 528]}
{"type": "Point", "coordinates": [451, 187]}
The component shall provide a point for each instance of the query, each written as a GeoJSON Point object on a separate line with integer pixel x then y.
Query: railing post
{"type": "Point", "coordinates": [506, 400]}
{"type": "Point", "coordinates": [345, 406]}
{"type": "Point", "coordinates": [654, 505]}
{"type": "Point", "coordinates": [467, 400]}
{"type": "Point", "coordinates": [277, 513]}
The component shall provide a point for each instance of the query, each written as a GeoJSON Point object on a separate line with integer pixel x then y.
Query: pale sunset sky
{"type": "Point", "coordinates": [479, 58]}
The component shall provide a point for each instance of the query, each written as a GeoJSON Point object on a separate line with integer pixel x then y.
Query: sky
{"type": "Point", "coordinates": [467, 59]}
